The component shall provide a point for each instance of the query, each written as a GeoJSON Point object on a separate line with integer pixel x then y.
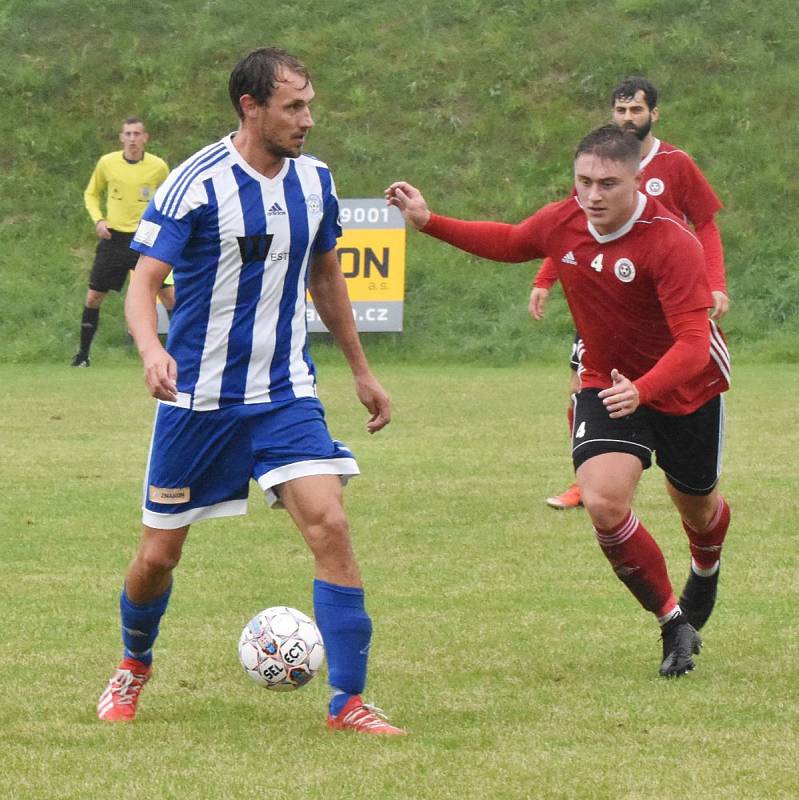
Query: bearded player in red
{"type": "Point", "coordinates": [654, 367]}
{"type": "Point", "coordinates": [670, 175]}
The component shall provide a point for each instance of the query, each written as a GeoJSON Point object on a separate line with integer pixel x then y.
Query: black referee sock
{"type": "Point", "coordinates": [88, 327]}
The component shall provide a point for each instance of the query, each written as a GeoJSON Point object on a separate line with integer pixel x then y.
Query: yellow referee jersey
{"type": "Point", "coordinates": [129, 188]}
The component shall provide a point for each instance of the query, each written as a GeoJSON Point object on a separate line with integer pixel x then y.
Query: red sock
{"type": "Point", "coordinates": [570, 416]}
{"type": "Point", "coordinates": [638, 562]}
{"type": "Point", "coordinates": [706, 546]}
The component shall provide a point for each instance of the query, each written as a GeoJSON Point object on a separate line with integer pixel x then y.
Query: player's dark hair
{"type": "Point", "coordinates": [612, 143]}
{"type": "Point", "coordinates": [258, 74]}
{"type": "Point", "coordinates": [629, 87]}
{"type": "Point", "coordinates": [133, 121]}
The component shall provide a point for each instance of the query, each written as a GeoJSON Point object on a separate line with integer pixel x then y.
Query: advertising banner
{"type": "Point", "coordinates": [372, 255]}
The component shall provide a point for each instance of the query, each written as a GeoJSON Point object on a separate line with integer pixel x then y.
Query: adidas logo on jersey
{"type": "Point", "coordinates": [569, 259]}
{"type": "Point", "coordinates": [275, 210]}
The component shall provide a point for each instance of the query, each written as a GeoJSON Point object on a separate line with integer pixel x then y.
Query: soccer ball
{"type": "Point", "coordinates": [281, 648]}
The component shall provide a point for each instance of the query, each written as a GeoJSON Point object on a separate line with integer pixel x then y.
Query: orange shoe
{"type": "Point", "coordinates": [568, 499]}
{"type": "Point", "coordinates": [118, 702]}
{"type": "Point", "coordinates": [358, 716]}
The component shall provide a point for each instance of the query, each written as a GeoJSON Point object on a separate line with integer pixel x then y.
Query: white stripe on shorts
{"type": "Point", "coordinates": [345, 468]}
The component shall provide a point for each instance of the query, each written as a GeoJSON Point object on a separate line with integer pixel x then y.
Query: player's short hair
{"type": "Point", "coordinates": [629, 87]}
{"type": "Point", "coordinates": [612, 143]}
{"type": "Point", "coordinates": [258, 74]}
{"type": "Point", "coordinates": [133, 121]}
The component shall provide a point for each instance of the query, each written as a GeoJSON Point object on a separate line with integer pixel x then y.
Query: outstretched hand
{"type": "Point", "coordinates": [622, 398]}
{"type": "Point", "coordinates": [411, 203]}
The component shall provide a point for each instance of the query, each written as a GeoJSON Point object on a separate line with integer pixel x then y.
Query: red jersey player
{"type": "Point", "coordinates": [670, 175]}
{"type": "Point", "coordinates": [654, 367]}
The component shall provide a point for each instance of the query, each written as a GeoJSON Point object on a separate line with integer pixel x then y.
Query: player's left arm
{"type": "Point", "coordinates": [700, 206]}
{"type": "Point", "coordinates": [710, 237]}
{"type": "Point", "coordinates": [329, 292]}
{"type": "Point", "coordinates": [685, 359]}
{"type": "Point", "coordinates": [682, 289]}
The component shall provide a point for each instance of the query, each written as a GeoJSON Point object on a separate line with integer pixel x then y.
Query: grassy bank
{"type": "Point", "coordinates": [479, 103]}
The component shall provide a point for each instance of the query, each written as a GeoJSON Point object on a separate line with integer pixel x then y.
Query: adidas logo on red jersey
{"type": "Point", "coordinates": [569, 259]}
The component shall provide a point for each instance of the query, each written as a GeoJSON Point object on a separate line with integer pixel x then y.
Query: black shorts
{"type": "Point", "coordinates": [576, 357]}
{"type": "Point", "coordinates": [687, 448]}
{"type": "Point", "coordinates": [113, 260]}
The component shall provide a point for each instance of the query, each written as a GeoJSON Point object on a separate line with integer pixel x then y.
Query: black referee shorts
{"type": "Point", "coordinates": [687, 448]}
{"type": "Point", "coordinates": [113, 259]}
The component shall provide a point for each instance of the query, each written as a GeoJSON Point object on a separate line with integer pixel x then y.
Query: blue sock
{"type": "Point", "coordinates": [140, 625]}
{"type": "Point", "coordinates": [347, 631]}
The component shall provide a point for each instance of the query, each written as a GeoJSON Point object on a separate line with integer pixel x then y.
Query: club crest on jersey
{"type": "Point", "coordinates": [624, 269]}
{"type": "Point", "coordinates": [655, 187]}
{"type": "Point", "coordinates": [569, 258]}
{"type": "Point", "coordinates": [314, 203]}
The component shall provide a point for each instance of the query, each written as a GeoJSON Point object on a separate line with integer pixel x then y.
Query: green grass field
{"type": "Point", "coordinates": [502, 640]}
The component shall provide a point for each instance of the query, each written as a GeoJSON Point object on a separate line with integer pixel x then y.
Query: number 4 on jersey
{"type": "Point", "coordinates": [597, 263]}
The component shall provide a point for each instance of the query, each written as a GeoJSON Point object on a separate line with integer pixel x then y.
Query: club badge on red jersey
{"type": "Point", "coordinates": [624, 270]}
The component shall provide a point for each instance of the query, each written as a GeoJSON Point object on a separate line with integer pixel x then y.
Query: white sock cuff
{"type": "Point", "coordinates": [670, 616]}
{"type": "Point", "coordinates": [704, 572]}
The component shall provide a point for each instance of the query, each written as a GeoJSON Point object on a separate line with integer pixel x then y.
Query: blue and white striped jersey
{"type": "Point", "coordinates": [240, 244]}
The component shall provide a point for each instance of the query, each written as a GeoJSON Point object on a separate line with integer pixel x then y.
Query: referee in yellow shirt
{"type": "Point", "coordinates": [128, 178]}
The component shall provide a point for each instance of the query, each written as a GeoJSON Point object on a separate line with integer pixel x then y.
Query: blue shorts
{"type": "Point", "coordinates": [201, 462]}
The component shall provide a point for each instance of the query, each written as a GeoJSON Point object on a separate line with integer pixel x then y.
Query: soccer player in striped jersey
{"type": "Point", "coordinates": [672, 176]}
{"type": "Point", "coordinates": [654, 367]}
{"type": "Point", "coordinates": [247, 224]}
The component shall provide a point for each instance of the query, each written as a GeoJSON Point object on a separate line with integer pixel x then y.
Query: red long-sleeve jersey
{"type": "Point", "coordinates": [638, 296]}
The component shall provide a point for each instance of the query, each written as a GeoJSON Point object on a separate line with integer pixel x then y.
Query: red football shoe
{"type": "Point", "coordinates": [118, 702]}
{"type": "Point", "coordinates": [359, 716]}
{"type": "Point", "coordinates": [569, 499]}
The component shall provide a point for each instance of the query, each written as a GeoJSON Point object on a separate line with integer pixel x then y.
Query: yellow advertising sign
{"type": "Point", "coordinates": [373, 262]}
{"type": "Point", "coordinates": [372, 254]}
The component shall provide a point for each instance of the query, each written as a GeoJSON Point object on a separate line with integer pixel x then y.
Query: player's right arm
{"type": "Point", "coordinates": [160, 369]}
{"type": "Point", "coordinates": [545, 279]}
{"type": "Point", "coordinates": [498, 241]}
